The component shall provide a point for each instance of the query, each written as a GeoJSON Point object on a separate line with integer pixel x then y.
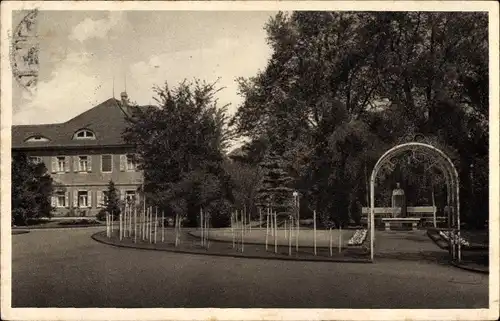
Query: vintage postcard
{"type": "Point", "coordinates": [249, 160]}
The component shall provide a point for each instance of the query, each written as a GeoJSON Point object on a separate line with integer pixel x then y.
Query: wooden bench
{"type": "Point", "coordinates": [426, 213]}
{"type": "Point", "coordinates": [380, 212]}
{"type": "Point", "coordinates": [388, 221]}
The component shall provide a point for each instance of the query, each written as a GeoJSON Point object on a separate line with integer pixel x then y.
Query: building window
{"type": "Point", "coordinates": [61, 199]}
{"type": "Point", "coordinates": [106, 163]}
{"type": "Point", "coordinates": [130, 196]}
{"type": "Point", "coordinates": [83, 199]}
{"type": "Point", "coordinates": [35, 159]}
{"type": "Point", "coordinates": [35, 139]}
{"type": "Point", "coordinates": [61, 163]}
{"type": "Point", "coordinates": [127, 163]}
{"type": "Point", "coordinates": [101, 199]}
{"type": "Point", "coordinates": [84, 134]}
{"type": "Point", "coordinates": [130, 163]}
{"type": "Point", "coordinates": [83, 163]}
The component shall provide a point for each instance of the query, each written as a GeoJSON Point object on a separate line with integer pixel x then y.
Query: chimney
{"type": "Point", "coordinates": [124, 98]}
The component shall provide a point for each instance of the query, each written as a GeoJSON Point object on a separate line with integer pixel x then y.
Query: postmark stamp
{"type": "Point", "coordinates": [24, 52]}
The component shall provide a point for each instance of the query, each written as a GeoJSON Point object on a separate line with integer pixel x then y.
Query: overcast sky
{"type": "Point", "coordinates": [80, 52]}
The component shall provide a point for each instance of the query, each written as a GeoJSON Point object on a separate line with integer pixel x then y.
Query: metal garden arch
{"type": "Point", "coordinates": [444, 163]}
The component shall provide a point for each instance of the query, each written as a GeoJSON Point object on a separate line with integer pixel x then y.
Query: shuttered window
{"type": "Point", "coordinates": [106, 163]}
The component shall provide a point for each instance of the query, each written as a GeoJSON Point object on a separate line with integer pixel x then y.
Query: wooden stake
{"type": "Point", "coordinates": [205, 223]}
{"type": "Point", "coordinates": [125, 222]}
{"type": "Point", "coordinates": [242, 231]}
{"type": "Point", "coordinates": [145, 224]}
{"type": "Point", "coordinates": [244, 220]}
{"type": "Point", "coordinates": [232, 228]}
{"type": "Point", "coordinates": [289, 239]}
{"type": "Point", "coordinates": [297, 235]}
{"type": "Point", "coordinates": [208, 231]}
{"type": "Point", "coordinates": [143, 220]}
{"type": "Point", "coordinates": [314, 222]}
{"type": "Point", "coordinates": [146, 213]}
{"type": "Point", "coordinates": [162, 226]}
{"type": "Point", "coordinates": [267, 227]}
{"type": "Point", "coordinates": [176, 229]}
{"type": "Point", "coordinates": [260, 218]}
{"type": "Point", "coordinates": [250, 219]}
{"type": "Point", "coordinates": [434, 208]}
{"type": "Point", "coordinates": [156, 222]}
{"type": "Point", "coordinates": [121, 229]}
{"type": "Point", "coordinates": [285, 231]}
{"type": "Point", "coordinates": [180, 228]}
{"type": "Point", "coordinates": [127, 228]}
{"type": "Point", "coordinates": [331, 241]}
{"type": "Point", "coordinates": [272, 223]}
{"type": "Point", "coordinates": [202, 225]}
{"type": "Point", "coordinates": [340, 238]}
{"type": "Point", "coordinates": [150, 225]}
{"type": "Point", "coordinates": [135, 224]}
{"type": "Point", "coordinates": [122, 224]}
{"type": "Point", "coordinates": [131, 214]}
{"type": "Point", "coordinates": [275, 233]}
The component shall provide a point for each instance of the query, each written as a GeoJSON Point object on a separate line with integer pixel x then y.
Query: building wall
{"type": "Point", "coordinates": [94, 181]}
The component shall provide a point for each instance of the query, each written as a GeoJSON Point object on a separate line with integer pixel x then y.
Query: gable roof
{"type": "Point", "coordinates": [107, 120]}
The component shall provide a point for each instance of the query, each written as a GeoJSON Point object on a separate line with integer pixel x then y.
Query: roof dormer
{"type": "Point", "coordinates": [36, 139]}
{"type": "Point", "coordinates": [84, 134]}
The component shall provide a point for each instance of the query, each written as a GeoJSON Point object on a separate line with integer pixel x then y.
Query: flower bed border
{"type": "Point", "coordinates": [364, 232]}
{"type": "Point", "coordinates": [101, 238]}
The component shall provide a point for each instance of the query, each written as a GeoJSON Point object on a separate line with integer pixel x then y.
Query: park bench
{"type": "Point", "coordinates": [421, 213]}
{"type": "Point", "coordinates": [388, 221]}
{"type": "Point", "coordinates": [426, 213]}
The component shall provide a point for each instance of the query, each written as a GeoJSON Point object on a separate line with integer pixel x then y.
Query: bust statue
{"type": "Point", "coordinates": [398, 201]}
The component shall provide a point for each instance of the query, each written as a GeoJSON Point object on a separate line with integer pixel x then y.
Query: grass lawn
{"type": "Point", "coordinates": [258, 236]}
{"type": "Point", "coordinates": [222, 245]}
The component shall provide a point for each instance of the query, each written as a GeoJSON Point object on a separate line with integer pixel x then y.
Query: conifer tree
{"type": "Point", "coordinates": [275, 188]}
{"type": "Point", "coordinates": [112, 200]}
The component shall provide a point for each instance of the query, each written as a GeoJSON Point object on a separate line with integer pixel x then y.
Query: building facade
{"type": "Point", "coordinates": [83, 155]}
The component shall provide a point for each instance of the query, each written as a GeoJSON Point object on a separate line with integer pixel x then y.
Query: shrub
{"type": "Point", "coordinates": [79, 222]}
{"type": "Point", "coordinates": [101, 216]}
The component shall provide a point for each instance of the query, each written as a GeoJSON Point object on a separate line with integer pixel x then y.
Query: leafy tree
{"type": "Point", "coordinates": [181, 145]}
{"type": "Point", "coordinates": [245, 178]}
{"type": "Point", "coordinates": [337, 80]}
{"type": "Point", "coordinates": [32, 189]}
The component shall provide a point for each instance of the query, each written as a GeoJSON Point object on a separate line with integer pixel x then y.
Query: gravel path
{"type": "Point", "coordinates": [66, 268]}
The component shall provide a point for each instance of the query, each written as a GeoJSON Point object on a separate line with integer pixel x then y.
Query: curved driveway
{"type": "Point", "coordinates": [66, 268]}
